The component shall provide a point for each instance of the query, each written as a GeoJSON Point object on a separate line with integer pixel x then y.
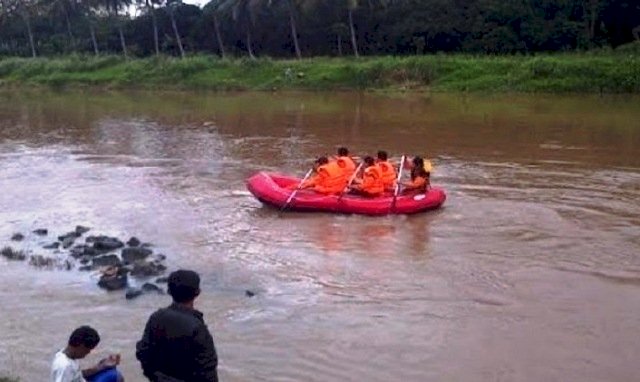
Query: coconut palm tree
{"type": "Point", "coordinates": [243, 13]}
{"type": "Point", "coordinates": [212, 9]}
{"type": "Point", "coordinates": [172, 5]}
{"type": "Point", "coordinates": [149, 5]}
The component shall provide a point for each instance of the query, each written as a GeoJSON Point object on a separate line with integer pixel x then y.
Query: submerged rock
{"type": "Point", "coordinates": [11, 254]}
{"type": "Point", "coordinates": [249, 293]}
{"type": "Point", "coordinates": [40, 261]}
{"type": "Point", "coordinates": [17, 237]}
{"type": "Point", "coordinates": [162, 280]}
{"type": "Point", "coordinates": [41, 232]}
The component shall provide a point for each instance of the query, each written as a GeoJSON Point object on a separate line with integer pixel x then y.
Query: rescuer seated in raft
{"type": "Point", "coordinates": [328, 178]}
{"type": "Point", "coordinates": [387, 171]}
{"type": "Point", "coordinates": [345, 162]}
{"type": "Point", "coordinates": [371, 182]}
{"type": "Point", "coordinates": [420, 181]}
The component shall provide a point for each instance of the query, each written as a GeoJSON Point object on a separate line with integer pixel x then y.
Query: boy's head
{"type": "Point", "coordinates": [369, 161]}
{"type": "Point", "coordinates": [382, 155]}
{"type": "Point", "coordinates": [83, 340]}
{"type": "Point", "coordinates": [184, 285]}
{"type": "Point", "coordinates": [343, 152]}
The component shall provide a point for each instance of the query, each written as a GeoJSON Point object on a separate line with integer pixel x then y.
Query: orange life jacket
{"type": "Point", "coordinates": [372, 181]}
{"type": "Point", "coordinates": [347, 165]}
{"type": "Point", "coordinates": [387, 173]}
{"type": "Point", "coordinates": [330, 179]}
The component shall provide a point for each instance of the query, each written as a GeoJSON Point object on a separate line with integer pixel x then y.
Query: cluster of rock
{"type": "Point", "coordinates": [115, 261]}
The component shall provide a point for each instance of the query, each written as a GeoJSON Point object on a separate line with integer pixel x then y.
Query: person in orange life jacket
{"type": "Point", "coordinates": [345, 162]}
{"type": "Point", "coordinates": [371, 182]}
{"type": "Point", "coordinates": [387, 170]}
{"type": "Point", "coordinates": [328, 178]}
{"type": "Point", "coordinates": [420, 181]}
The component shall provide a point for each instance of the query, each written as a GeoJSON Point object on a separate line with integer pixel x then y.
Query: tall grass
{"type": "Point", "coordinates": [606, 71]}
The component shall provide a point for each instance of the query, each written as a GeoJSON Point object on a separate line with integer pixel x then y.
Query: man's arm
{"type": "Point", "coordinates": [145, 350]}
{"type": "Point", "coordinates": [206, 358]}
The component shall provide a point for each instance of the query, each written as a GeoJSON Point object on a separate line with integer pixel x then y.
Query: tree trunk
{"type": "Point", "coordinates": [72, 40]}
{"type": "Point", "coordinates": [175, 31]}
{"type": "Point", "coordinates": [354, 43]}
{"type": "Point", "coordinates": [216, 27]}
{"type": "Point", "coordinates": [294, 32]}
{"type": "Point", "coordinates": [30, 33]}
{"type": "Point", "coordinates": [154, 21]}
{"type": "Point", "coordinates": [636, 33]}
{"type": "Point", "coordinates": [249, 49]}
{"type": "Point", "coordinates": [122, 42]}
{"type": "Point", "coordinates": [92, 29]}
{"type": "Point", "coordinates": [339, 39]}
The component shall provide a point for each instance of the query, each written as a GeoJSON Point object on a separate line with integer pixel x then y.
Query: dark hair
{"type": "Point", "coordinates": [369, 161]}
{"type": "Point", "coordinates": [382, 155]}
{"type": "Point", "coordinates": [418, 161]}
{"type": "Point", "coordinates": [84, 335]}
{"type": "Point", "coordinates": [184, 285]}
{"type": "Point", "coordinates": [322, 160]}
{"type": "Point", "coordinates": [343, 151]}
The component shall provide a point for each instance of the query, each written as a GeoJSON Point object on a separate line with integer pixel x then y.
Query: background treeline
{"type": "Point", "coordinates": [303, 28]}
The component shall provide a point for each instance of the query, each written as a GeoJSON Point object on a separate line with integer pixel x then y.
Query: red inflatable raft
{"type": "Point", "coordinates": [271, 189]}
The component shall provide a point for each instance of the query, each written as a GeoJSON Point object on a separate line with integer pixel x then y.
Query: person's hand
{"type": "Point", "coordinates": [111, 361]}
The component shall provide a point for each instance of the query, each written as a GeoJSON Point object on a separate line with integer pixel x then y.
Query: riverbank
{"type": "Point", "coordinates": [610, 72]}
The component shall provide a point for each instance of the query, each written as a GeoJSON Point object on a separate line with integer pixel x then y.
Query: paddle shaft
{"type": "Point", "coordinates": [397, 189]}
{"type": "Point", "coordinates": [294, 192]}
{"type": "Point", "coordinates": [351, 179]}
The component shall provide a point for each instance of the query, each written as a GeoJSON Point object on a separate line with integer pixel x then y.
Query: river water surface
{"type": "Point", "coordinates": [531, 271]}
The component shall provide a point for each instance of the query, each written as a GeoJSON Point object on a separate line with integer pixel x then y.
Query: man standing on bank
{"type": "Point", "coordinates": [176, 345]}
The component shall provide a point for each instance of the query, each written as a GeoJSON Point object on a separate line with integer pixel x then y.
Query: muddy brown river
{"type": "Point", "coordinates": [530, 272]}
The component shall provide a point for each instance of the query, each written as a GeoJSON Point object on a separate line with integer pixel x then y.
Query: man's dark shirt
{"type": "Point", "coordinates": [177, 343]}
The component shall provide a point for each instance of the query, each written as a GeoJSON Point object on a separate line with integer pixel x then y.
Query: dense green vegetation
{"type": "Point", "coordinates": [616, 71]}
{"type": "Point", "coordinates": [306, 28]}
{"type": "Point", "coordinates": [8, 379]}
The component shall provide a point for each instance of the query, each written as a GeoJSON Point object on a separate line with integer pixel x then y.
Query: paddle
{"type": "Point", "coordinates": [294, 192]}
{"type": "Point", "coordinates": [397, 189]}
{"type": "Point", "coordinates": [351, 179]}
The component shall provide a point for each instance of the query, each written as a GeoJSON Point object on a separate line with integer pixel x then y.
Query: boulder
{"type": "Point", "coordinates": [17, 237]}
{"type": "Point", "coordinates": [108, 260]}
{"type": "Point", "coordinates": [113, 282]}
{"type": "Point", "coordinates": [80, 230]}
{"type": "Point", "coordinates": [134, 254]}
{"type": "Point", "coordinates": [41, 232]}
{"type": "Point", "coordinates": [149, 287]}
{"type": "Point", "coordinates": [147, 269]}
{"type": "Point", "coordinates": [11, 254]}
{"type": "Point", "coordinates": [132, 293]}
{"type": "Point", "coordinates": [133, 242]}
{"type": "Point", "coordinates": [105, 243]}
{"type": "Point", "coordinates": [162, 280]}
{"type": "Point", "coordinates": [52, 246]}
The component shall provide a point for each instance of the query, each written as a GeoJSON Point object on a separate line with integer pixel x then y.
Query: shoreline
{"type": "Point", "coordinates": [561, 73]}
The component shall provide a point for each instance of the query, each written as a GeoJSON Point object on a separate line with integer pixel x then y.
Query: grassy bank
{"type": "Point", "coordinates": [611, 72]}
{"type": "Point", "coordinates": [8, 379]}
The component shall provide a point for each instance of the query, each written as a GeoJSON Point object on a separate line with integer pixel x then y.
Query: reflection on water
{"type": "Point", "coordinates": [533, 261]}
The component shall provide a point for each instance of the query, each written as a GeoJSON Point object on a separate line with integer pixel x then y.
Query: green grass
{"type": "Point", "coordinates": [612, 71]}
{"type": "Point", "coordinates": [9, 379]}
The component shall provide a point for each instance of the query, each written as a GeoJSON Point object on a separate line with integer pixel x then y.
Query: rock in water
{"type": "Point", "coordinates": [12, 254]}
{"type": "Point", "coordinates": [149, 287]}
{"type": "Point", "coordinates": [115, 282]}
{"type": "Point", "coordinates": [132, 293]}
{"type": "Point", "coordinates": [41, 232]}
{"type": "Point", "coordinates": [135, 254]}
{"type": "Point", "coordinates": [17, 237]}
{"type": "Point", "coordinates": [133, 242]}
{"type": "Point", "coordinates": [81, 230]}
